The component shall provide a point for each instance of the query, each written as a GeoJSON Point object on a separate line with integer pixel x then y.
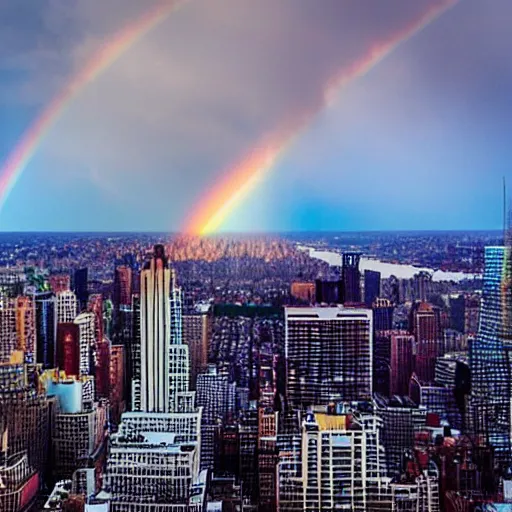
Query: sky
{"type": "Point", "coordinates": [419, 142]}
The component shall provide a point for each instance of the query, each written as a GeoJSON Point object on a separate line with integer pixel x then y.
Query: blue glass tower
{"type": "Point", "coordinates": [491, 356]}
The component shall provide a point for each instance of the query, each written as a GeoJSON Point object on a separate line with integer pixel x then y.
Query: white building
{"type": "Point", "coordinates": [164, 358]}
{"type": "Point", "coordinates": [86, 326]}
{"type": "Point", "coordinates": [67, 308]}
{"type": "Point", "coordinates": [343, 460]}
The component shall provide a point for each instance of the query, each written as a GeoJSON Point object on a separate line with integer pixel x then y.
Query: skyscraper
{"type": "Point", "coordinates": [458, 312]}
{"type": "Point", "coordinates": [68, 348]}
{"type": "Point", "coordinates": [371, 287]}
{"type": "Point", "coordinates": [328, 291]}
{"type": "Point", "coordinates": [490, 356]}
{"type": "Point", "coordinates": [425, 325]}
{"type": "Point", "coordinates": [86, 327]}
{"type": "Point", "coordinates": [8, 341]}
{"type": "Point", "coordinates": [66, 307]}
{"type": "Point", "coordinates": [383, 315]}
{"type": "Point", "coordinates": [155, 329]}
{"type": "Point", "coordinates": [351, 277]}
{"type": "Point", "coordinates": [123, 286]}
{"type": "Point", "coordinates": [164, 358]}
{"type": "Point", "coordinates": [196, 327]}
{"type": "Point", "coordinates": [17, 328]}
{"type": "Point", "coordinates": [95, 306]}
{"type": "Point", "coordinates": [328, 354]}
{"type": "Point", "coordinates": [402, 362]}
{"type": "Point", "coordinates": [26, 327]}
{"type": "Point", "coordinates": [343, 460]}
{"type": "Point", "coordinates": [46, 328]}
{"type": "Point", "coordinates": [216, 395]}
{"type": "Point", "coordinates": [80, 286]}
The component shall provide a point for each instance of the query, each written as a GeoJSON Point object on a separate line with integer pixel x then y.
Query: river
{"type": "Point", "coordinates": [402, 271]}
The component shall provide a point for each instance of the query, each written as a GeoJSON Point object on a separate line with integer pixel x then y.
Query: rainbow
{"type": "Point", "coordinates": [222, 199]}
{"type": "Point", "coordinates": [25, 149]}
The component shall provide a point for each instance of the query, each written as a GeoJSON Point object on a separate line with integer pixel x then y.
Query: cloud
{"type": "Point", "coordinates": [191, 97]}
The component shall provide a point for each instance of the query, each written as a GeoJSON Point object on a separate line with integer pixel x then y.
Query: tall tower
{"type": "Point", "coordinates": [86, 329]}
{"type": "Point", "coordinates": [26, 327]}
{"type": "Point", "coordinates": [164, 358]}
{"type": "Point", "coordinates": [123, 286]}
{"type": "Point", "coordinates": [425, 325]}
{"type": "Point", "coordinates": [46, 328]}
{"type": "Point", "coordinates": [328, 355]}
{"type": "Point", "coordinates": [66, 307]}
{"type": "Point", "coordinates": [351, 277]}
{"type": "Point", "coordinates": [371, 287]}
{"type": "Point", "coordinates": [80, 286]}
{"type": "Point", "coordinates": [490, 356]}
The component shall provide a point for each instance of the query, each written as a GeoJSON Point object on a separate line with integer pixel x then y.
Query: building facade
{"type": "Point", "coordinates": [328, 355]}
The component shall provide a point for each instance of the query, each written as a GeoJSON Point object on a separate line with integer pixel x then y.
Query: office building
{"type": "Point", "coordinates": [80, 283]}
{"type": "Point", "coordinates": [438, 400]}
{"type": "Point", "coordinates": [402, 362]}
{"type": "Point", "coordinates": [164, 358]}
{"type": "Point", "coordinates": [162, 436]}
{"type": "Point", "coordinates": [102, 356]}
{"type": "Point", "coordinates": [371, 287]}
{"type": "Point", "coordinates": [425, 325]}
{"type": "Point", "coordinates": [425, 321]}
{"type": "Point", "coordinates": [382, 363]}
{"type": "Point", "coordinates": [60, 283]}
{"type": "Point", "coordinates": [26, 328]}
{"type": "Point", "coordinates": [248, 452]}
{"type": "Point", "coordinates": [328, 355]}
{"type": "Point", "coordinates": [490, 357]}
{"type": "Point", "coordinates": [341, 449]}
{"type": "Point", "coordinates": [78, 440]}
{"type": "Point", "coordinates": [383, 311]}
{"type": "Point", "coordinates": [20, 483]}
{"type": "Point", "coordinates": [68, 348]}
{"type": "Point", "coordinates": [472, 314]}
{"type": "Point", "coordinates": [117, 383]}
{"type": "Point", "coordinates": [24, 416]}
{"type": "Point", "coordinates": [67, 307]}
{"type": "Point", "coordinates": [87, 338]}
{"type": "Point", "coordinates": [329, 291]}
{"type": "Point", "coordinates": [149, 471]}
{"type": "Point", "coordinates": [46, 329]}
{"type": "Point", "coordinates": [267, 458]}
{"type": "Point", "coordinates": [8, 329]}
{"type": "Point", "coordinates": [196, 329]}
{"type": "Point", "coordinates": [216, 395]}
{"type": "Point", "coordinates": [351, 278]}
{"type": "Point", "coordinates": [123, 286]}
{"type": "Point", "coordinates": [12, 282]}
{"type": "Point", "coordinates": [17, 329]}
{"type": "Point", "coordinates": [290, 492]}
{"type": "Point", "coordinates": [95, 306]}
{"type": "Point", "coordinates": [401, 420]}
{"type": "Point", "coordinates": [458, 313]}
{"type": "Point", "coordinates": [133, 366]}
{"type": "Point", "coordinates": [303, 292]}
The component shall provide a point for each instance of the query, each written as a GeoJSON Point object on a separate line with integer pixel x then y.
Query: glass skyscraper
{"type": "Point", "coordinates": [490, 356]}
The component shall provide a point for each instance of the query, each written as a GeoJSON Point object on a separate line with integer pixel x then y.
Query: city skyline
{"type": "Point", "coordinates": [435, 107]}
